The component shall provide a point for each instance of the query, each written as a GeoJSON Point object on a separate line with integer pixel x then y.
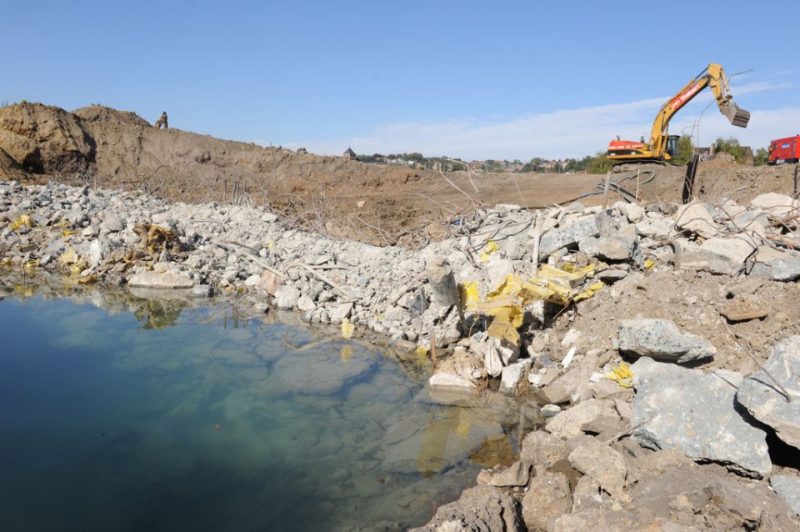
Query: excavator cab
{"type": "Point", "coordinates": [672, 145]}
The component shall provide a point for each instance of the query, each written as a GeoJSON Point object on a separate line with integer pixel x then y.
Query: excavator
{"type": "Point", "coordinates": [662, 146]}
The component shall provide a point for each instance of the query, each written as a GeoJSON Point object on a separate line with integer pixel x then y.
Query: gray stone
{"type": "Point", "coordinates": [776, 204]}
{"type": "Point", "coordinates": [340, 312]}
{"type": "Point", "coordinates": [517, 474]}
{"type": "Point", "coordinates": [568, 235]}
{"type": "Point", "coordinates": [697, 218]}
{"type": "Point", "coordinates": [568, 423]}
{"type": "Point", "coordinates": [787, 487]}
{"type": "Point", "coordinates": [305, 303]}
{"type": "Point", "coordinates": [694, 412]}
{"type": "Point", "coordinates": [479, 509]}
{"type": "Point", "coordinates": [542, 450]}
{"type": "Point", "coordinates": [96, 253]}
{"type": "Point", "coordinates": [611, 275]}
{"type": "Point", "coordinates": [512, 375]}
{"type": "Point", "coordinates": [112, 223]}
{"type": "Point", "coordinates": [286, 297]}
{"type": "Point", "coordinates": [766, 402]}
{"type": "Point", "coordinates": [661, 340]}
{"type": "Point", "coordinates": [735, 250]}
{"type": "Point", "coordinates": [777, 265]}
{"type": "Point", "coordinates": [603, 464]}
{"type": "Point", "coordinates": [166, 279]}
{"type": "Point", "coordinates": [548, 497]}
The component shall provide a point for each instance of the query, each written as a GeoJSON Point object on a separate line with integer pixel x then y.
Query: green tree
{"type": "Point", "coordinates": [732, 146]}
{"type": "Point", "coordinates": [685, 150]}
{"type": "Point", "coordinates": [761, 156]}
{"type": "Point", "coordinates": [599, 164]}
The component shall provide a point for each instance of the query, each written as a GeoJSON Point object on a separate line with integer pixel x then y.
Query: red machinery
{"type": "Point", "coordinates": [784, 150]}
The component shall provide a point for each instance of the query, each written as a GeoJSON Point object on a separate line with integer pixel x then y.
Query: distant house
{"type": "Point", "coordinates": [349, 154]}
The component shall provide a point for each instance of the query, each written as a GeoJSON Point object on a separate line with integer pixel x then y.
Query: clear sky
{"type": "Point", "coordinates": [468, 79]}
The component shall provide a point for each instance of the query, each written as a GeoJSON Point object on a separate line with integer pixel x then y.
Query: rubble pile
{"type": "Point", "coordinates": [652, 415]}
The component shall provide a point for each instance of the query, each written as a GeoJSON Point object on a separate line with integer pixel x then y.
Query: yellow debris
{"type": "Point", "coordinates": [30, 266]}
{"type": "Point", "coordinates": [589, 291]}
{"type": "Point", "coordinates": [489, 249]}
{"type": "Point", "coordinates": [347, 329]}
{"type": "Point", "coordinates": [622, 375]}
{"type": "Point", "coordinates": [468, 294]}
{"type": "Point", "coordinates": [23, 221]}
{"type": "Point", "coordinates": [346, 353]}
{"type": "Point", "coordinates": [66, 233]}
{"type": "Point", "coordinates": [649, 264]}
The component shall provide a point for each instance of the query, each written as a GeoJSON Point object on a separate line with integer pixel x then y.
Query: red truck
{"type": "Point", "coordinates": [784, 150]}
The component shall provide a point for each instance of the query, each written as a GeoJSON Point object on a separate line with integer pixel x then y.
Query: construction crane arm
{"type": "Point", "coordinates": [713, 76]}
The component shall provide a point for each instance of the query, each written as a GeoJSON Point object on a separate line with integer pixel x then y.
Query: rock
{"type": "Point", "coordinates": [614, 248]}
{"type": "Point", "coordinates": [270, 281]}
{"type": "Point", "coordinates": [305, 303]}
{"type": "Point", "coordinates": [568, 235]}
{"type": "Point", "coordinates": [778, 205]}
{"type": "Point", "coordinates": [438, 442]}
{"type": "Point", "coordinates": [766, 402]}
{"type": "Point", "coordinates": [549, 410]}
{"type": "Point", "coordinates": [777, 265]}
{"type": "Point", "coordinates": [253, 280]}
{"type": "Point", "coordinates": [787, 487]}
{"type": "Point", "coordinates": [512, 375]}
{"type": "Point", "coordinates": [661, 340]}
{"type": "Point", "coordinates": [96, 253]}
{"type": "Point", "coordinates": [568, 423]}
{"type": "Point", "coordinates": [340, 312]}
{"type": "Point", "coordinates": [611, 275]}
{"type": "Point", "coordinates": [444, 293]}
{"type": "Point", "coordinates": [517, 474]}
{"type": "Point", "coordinates": [693, 412]}
{"type": "Point", "coordinates": [449, 380]}
{"type": "Point", "coordinates": [479, 509]}
{"type": "Point", "coordinates": [697, 218]}
{"type": "Point", "coordinates": [112, 224]}
{"type": "Point", "coordinates": [687, 498]}
{"type": "Point", "coordinates": [542, 450]}
{"type": "Point", "coordinates": [548, 497]}
{"type": "Point", "coordinates": [633, 211]}
{"type": "Point", "coordinates": [604, 465]}
{"type": "Point", "coordinates": [166, 279]}
{"type": "Point", "coordinates": [740, 309]}
{"type": "Point", "coordinates": [286, 297]}
{"type": "Point", "coordinates": [735, 250]}
{"type": "Point", "coordinates": [326, 374]}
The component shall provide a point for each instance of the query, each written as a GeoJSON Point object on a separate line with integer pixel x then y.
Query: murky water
{"type": "Point", "coordinates": [161, 418]}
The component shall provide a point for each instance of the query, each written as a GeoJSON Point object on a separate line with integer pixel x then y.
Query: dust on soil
{"type": "Point", "coordinates": [373, 203]}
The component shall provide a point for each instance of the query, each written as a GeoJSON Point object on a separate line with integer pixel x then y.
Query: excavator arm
{"type": "Point", "coordinates": [657, 147]}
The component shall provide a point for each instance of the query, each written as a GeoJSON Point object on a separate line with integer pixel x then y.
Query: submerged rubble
{"type": "Point", "coordinates": [577, 315]}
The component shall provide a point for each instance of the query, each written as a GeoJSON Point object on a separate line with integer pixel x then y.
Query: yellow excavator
{"type": "Point", "coordinates": [662, 146]}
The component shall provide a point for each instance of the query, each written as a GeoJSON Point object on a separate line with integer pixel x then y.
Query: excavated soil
{"type": "Point", "coordinates": [377, 204]}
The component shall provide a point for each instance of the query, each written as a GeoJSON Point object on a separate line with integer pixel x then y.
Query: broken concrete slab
{"type": "Point", "coordinates": [777, 265]}
{"type": "Point", "coordinates": [697, 218]}
{"type": "Point", "coordinates": [662, 340]}
{"type": "Point", "coordinates": [735, 250]}
{"type": "Point", "coordinates": [542, 450]}
{"type": "Point", "coordinates": [517, 474]}
{"type": "Point", "coordinates": [778, 205]}
{"type": "Point", "coordinates": [568, 235]}
{"type": "Point", "coordinates": [694, 412]}
{"type": "Point", "coordinates": [166, 279]}
{"type": "Point", "coordinates": [568, 423]}
{"type": "Point", "coordinates": [512, 375]}
{"type": "Point", "coordinates": [766, 401]}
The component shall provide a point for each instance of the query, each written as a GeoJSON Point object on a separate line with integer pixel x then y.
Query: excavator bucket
{"type": "Point", "coordinates": [737, 116]}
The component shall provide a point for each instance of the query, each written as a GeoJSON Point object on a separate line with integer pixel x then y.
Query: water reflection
{"type": "Point", "coordinates": [166, 416]}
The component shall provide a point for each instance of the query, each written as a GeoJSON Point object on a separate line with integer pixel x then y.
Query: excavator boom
{"type": "Point", "coordinates": [661, 145]}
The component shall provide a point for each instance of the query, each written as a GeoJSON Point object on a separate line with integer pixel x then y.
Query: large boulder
{"type": "Point", "coordinates": [694, 412]}
{"type": "Point", "coordinates": [479, 509]}
{"type": "Point", "coordinates": [661, 340]}
{"type": "Point", "coordinates": [767, 401]}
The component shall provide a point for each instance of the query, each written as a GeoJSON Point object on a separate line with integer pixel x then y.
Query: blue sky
{"type": "Point", "coordinates": [467, 79]}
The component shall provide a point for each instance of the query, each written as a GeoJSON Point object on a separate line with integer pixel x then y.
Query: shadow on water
{"type": "Point", "coordinates": [129, 413]}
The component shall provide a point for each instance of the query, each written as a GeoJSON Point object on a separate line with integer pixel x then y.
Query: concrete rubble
{"type": "Point", "coordinates": [545, 343]}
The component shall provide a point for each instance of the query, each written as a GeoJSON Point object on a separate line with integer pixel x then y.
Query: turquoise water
{"type": "Point", "coordinates": [161, 417]}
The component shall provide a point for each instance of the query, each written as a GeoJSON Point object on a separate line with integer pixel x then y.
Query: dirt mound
{"type": "Point", "coordinates": [101, 113]}
{"type": "Point", "coordinates": [45, 139]}
{"type": "Point", "coordinates": [9, 169]}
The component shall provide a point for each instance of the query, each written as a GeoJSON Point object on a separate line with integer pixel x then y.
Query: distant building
{"type": "Point", "coordinates": [349, 154]}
